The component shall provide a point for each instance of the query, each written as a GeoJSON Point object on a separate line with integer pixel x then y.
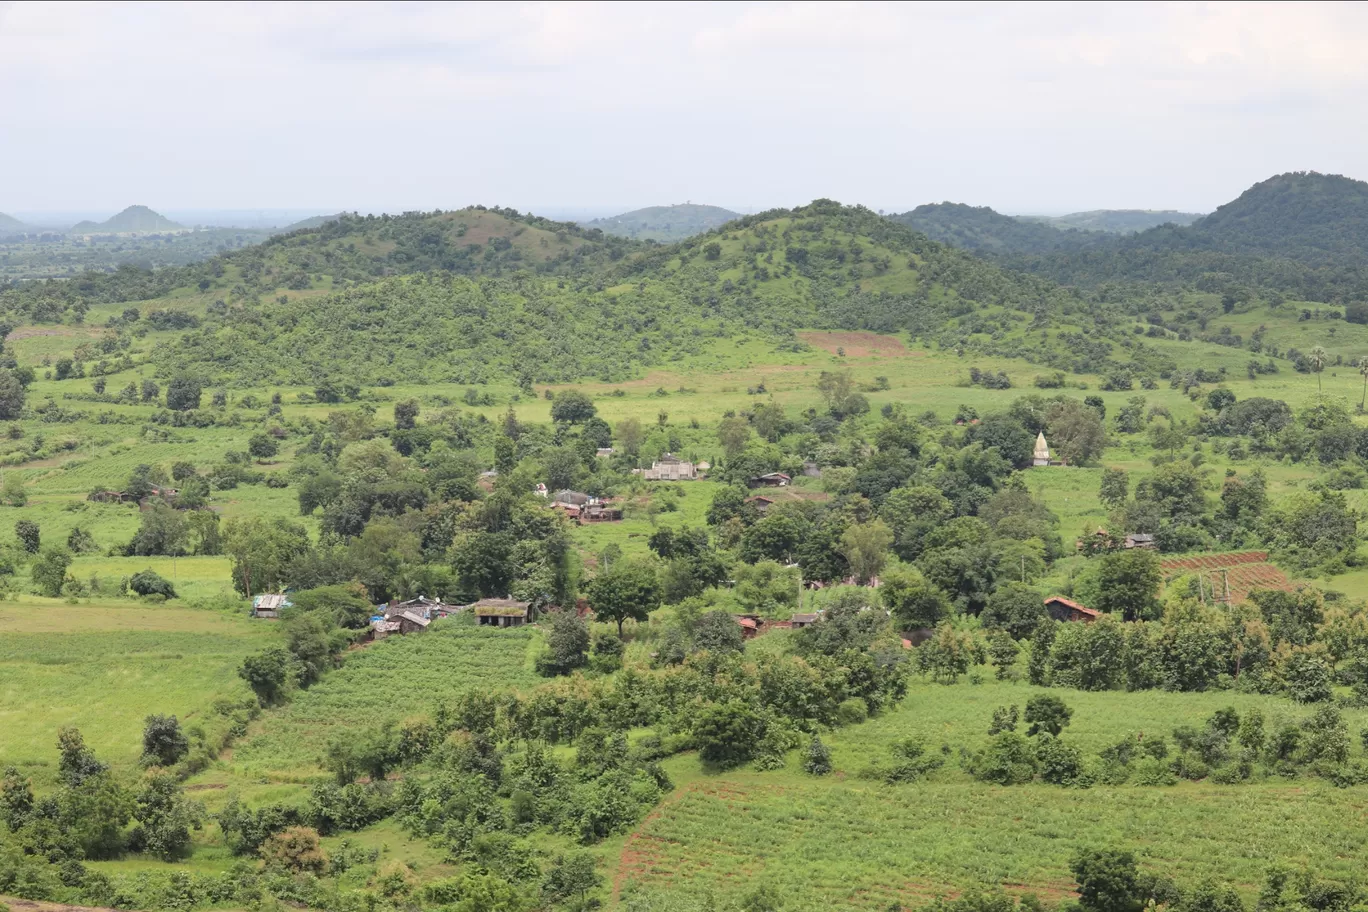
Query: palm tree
{"type": "Point", "coordinates": [1317, 356]}
{"type": "Point", "coordinates": [1363, 369]}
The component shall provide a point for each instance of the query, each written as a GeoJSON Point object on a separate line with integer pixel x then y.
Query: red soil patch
{"type": "Point", "coordinates": [29, 905]}
{"type": "Point", "coordinates": [64, 331]}
{"type": "Point", "coordinates": [858, 344]}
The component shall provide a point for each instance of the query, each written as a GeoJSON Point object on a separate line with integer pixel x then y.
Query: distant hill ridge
{"type": "Point", "coordinates": [665, 223]}
{"type": "Point", "coordinates": [1116, 221]}
{"type": "Point", "coordinates": [316, 221]}
{"type": "Point", "coordinates": [10, 223]}
{"type": "Point", "coordinates": [985, 230]}
{"type": "Point", "coordinates": [133, 220]}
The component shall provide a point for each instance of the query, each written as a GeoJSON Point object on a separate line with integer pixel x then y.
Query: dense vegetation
{"type": "Point", "coordinates": [376, 409]}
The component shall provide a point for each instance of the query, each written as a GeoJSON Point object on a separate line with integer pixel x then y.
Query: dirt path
{"type": "Point", "coordinates": [31, 905]}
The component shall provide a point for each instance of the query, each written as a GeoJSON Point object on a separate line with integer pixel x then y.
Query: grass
{"type": "Point", "coordinates": [103, 667]}
{"type": "Point", "coordinates": [386, 681]}
{"type": "Point", "coordinates": [844, 842]}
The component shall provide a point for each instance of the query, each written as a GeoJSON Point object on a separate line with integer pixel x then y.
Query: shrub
{"type": "Point", "coordinates": [852, 711]}
{"type": "Point", "coordinates": [817, 758]}
{"type": "Point", "coordinates": [1060, 763]}
{"type": "Point", "coordinates": [148, 582]}
{"type": "Point", "coordinates": [1047, 714]}
{"type": "Point", "coordinates": [1007, 760]}
{"type": "Point", "coordinates": [164, 743]}
{"type": "Point", "coordinates": [295, 849]}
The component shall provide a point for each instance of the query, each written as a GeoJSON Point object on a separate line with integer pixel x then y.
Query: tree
{"type": "Point", "coordinates": [262, 552]}
{"type": "Point", "coordinates": [29, 535]}
{"type": "Point", "coordinates": [164, 743]}
{"type": "Point", "coordinates": [1115, 487]}
{"type": "Point", "coordinates": [627, 591]}
{"type": "Point", "coordinates": [1003, 653]}
{"type": "Point", "coordinates": [1075, 431]}
{"type": "Point", "coordinates": [567, 644]}
{"type": "Point", "coordinates": [865, 546]}
{"type": "Point", "coordinates": [733, 433]}
{"type": "Point", "coordinates": [13, 492]}
{"type": "Point", "coordinates": [1108, 880]}
{"type": "Point", "coordinates": [817, 758]}
{"type": "Point", "coordinates": [183, 394]}
{"type": "Point", "coordinates": [1047, 713]}
{"type": "Point", "coordinates": [836, 387]}
{"type": "Point", "coordinates": [164, 816]}
{"type": "Point", "coordinates": [11, 395]}
{"type": "Point", "coordinates": [572, 875]}
{"type": "Point", "coordinates": [1014, 607]}
{"type": "Point", "coordinates": [161, 530]}
{"type": "Point", "coordinates": [267, 673]}
{"type": "Point", "coordinates": [727, 733]}
{"type": "Point", "coordinates": [1128, 584]}
{"type": "Point", "coordinates": [572, 406]}
{"type": "Point", "coordinates": [1317, 357]}
{"type": "Point", "coordinates": [718, 632]}
{"type": "Point", "coordinates": [630, 436]}
{"type": "Point", "coordinates": [49, 571]}
{"type": "Point", "coordinates": [262, 447]}
{"type": "Point", "coordinates": [914, 602]}
{"type": "Point", "coordinates": [406, 414]}
{"type": "Point", "coordinates": [297, 850]}
{"type": "Point", "coordinates": [76, 763]}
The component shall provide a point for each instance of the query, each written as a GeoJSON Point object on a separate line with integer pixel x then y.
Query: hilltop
{"type": "Point", "coordinates": [133, 220]}
{"type": "Point", "coordinates": [1116, 221]}
{"type": "Point", "coordinates": [316, 221]}
{"type": "Point", "coordinates": [665, 223]}
{"type": "Point", "coordinates": [1300, 233]}
{"type": "Point", "coordinates": [984, 230]}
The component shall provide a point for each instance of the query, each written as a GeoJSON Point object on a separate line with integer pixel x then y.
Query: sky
{"type": "Point", "coordinates": [555, 107]}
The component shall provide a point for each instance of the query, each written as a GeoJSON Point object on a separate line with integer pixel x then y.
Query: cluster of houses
{"type": "Point", "coordinates": [671, 468]}
{"type": "Point", "coordinates": [585, 508]}
{"type": "Point", "coordinates": [144, 501]}
{"type": "Point", "coordinates": [415, 615]}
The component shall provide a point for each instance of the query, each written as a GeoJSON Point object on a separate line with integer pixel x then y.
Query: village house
{"type": "Point", "coordinates": [770, 480]}
{"type": "Point", "coordinates": [1062, 609]}
{"type": "Point", "coordinates": [751, 625]}
{"type": "Point", "coordinates": [1140, 540]}
{"type": "Point", "coordinates": [670, 468]}
{"type": "Point", "coordinates": [504, 612]}
{"type": "Point", "coordinates": [799, 621]}
{"type": "Point", "coordinates": [761, 503]}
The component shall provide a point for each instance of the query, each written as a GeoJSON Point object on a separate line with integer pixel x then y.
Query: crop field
{"type": "Point", "coordinates": [385, 681]}
{"type": "Point", "coordinates": [104, 666]}
{"type": "Point", "coordinates": [841, 841]}
{"type": "Point", "coordinates": [1244, 571]}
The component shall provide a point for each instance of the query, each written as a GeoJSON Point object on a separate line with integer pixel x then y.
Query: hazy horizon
{"type": "Point", "coordinates": [1029, 108]}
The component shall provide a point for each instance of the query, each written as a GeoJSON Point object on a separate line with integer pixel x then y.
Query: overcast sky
{"type": "Point", "coordinates": [549, 106]}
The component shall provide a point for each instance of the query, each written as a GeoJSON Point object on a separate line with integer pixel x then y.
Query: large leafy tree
{"type": "Point", "coordinates": [627, 591]}
{"type": "Point", "coordinates": [1128, 584]}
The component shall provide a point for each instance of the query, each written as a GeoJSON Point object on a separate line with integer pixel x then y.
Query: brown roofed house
{"type": "Point", "coordinates": [1062, 609]}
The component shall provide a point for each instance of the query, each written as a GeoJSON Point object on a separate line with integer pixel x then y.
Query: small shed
{"type": "Point", "coordinates": [574, 498]}
{"type": "Point", "coordinates": [599, 512]}
{"type": "Point", "coordinates": [603, 452]}
{"type": "Point", "coordinates": [770, 480]}
{"type": "Point", "coordinates": [408, 622]}
{"type": "Point", "coordinates": [504, 612]}
{"type": "Point", "coordinates": [1140, 540]}
{"type": "Point", "coordinates": [1062, 609]}
{"type": "Point", "coordinates": [761, 503]}
{"type": "Point", "coordinates": [798, 621]}
{"type": "Point", "coordinates": [269, 606]}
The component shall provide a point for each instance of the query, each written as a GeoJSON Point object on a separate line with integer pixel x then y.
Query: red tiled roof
{"type": "Point", "coordinates": [1069, 603]}
{"type": "Point", "coordinates": [746, 622]}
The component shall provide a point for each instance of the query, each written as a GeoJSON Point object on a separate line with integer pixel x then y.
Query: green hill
{"type": "Point", "coordinates": [605, 312]}
{"type": "Point", "coordinates": [984, 230]}
{"type": "Point", "coordinates": [133, 220]}
{"type": "Point", "coordinates": [9, 223]}
{"type": "Point", "coordinates": [665, 223]}
{"type": "Point", "coordinates": [1116, 221]}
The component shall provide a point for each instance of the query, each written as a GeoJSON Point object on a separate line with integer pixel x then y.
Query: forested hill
{"type": "Point", "coordinates": [984, 230]}
{"type": "Point", "coordinates": [315, 221]}
{"type": "Point", "coordinates": [347, 250]}
{"type": "Point", "coordinates": [133, 220]}
{"type": "Point", "coordinates": [1116, 221]}
{"type": "Point", "coordinates": [1301, 215]}
{"type": "Point", "coordinates": [665, 223]}
{"type": "Point", "coordinates": [823, 265]}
